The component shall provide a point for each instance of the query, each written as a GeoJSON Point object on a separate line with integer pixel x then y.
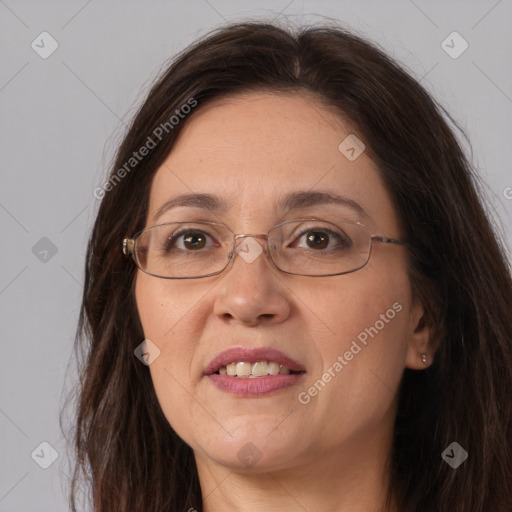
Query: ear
{"type": "Point", "coordinates": [423, 338]}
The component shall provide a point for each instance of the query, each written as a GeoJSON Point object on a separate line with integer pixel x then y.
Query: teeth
{"type": "Point", "coordinates": [273, 368]}
{"type": "Point", "coordinates": [243, 369]}
{"type": "Point", "coordinates": [252, 370]}
{"type": "Point", "coordinates": [260, 369]}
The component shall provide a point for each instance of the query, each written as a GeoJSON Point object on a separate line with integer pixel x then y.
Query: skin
{"type": "Point", "coordinates": [332, 453]}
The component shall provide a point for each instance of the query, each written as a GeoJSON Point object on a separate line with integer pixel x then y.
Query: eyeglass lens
{"type": "Point", "coordinates": [304, 247]}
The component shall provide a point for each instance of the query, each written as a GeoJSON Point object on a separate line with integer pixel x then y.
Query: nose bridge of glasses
{"type": "Point", "coordinates": [243, 236]}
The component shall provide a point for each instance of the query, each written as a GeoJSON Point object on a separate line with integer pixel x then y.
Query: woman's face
{"type": "Point", "coordinates": [352, 334]}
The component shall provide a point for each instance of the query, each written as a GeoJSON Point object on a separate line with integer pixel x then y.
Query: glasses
{"type": "Point", "coordinates": [305, 247]}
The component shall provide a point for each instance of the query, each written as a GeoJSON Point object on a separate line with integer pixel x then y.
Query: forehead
{"type": "Point", "coordinates": [254, 148]}
{"type": "Point", "coordinates": [255, 126]}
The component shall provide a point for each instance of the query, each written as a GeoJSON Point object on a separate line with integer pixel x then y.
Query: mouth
{"type": "Point", "coordinates": [253, 372]}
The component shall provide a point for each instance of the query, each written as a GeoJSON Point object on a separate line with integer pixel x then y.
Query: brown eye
{"type": "Point", "coordinates": [322, 239]}
{"type": "Point", "coordinates": [194, 241]}
{"type": "Point", "coordinates": [317, 240]}
{"type": "Point", "coordinates": [187, 240]}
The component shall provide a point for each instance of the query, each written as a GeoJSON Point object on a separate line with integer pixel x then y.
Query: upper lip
{"type": "Point", "coordinates": [251, 355]}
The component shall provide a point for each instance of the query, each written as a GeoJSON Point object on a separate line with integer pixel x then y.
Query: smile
{"type": "Point", "coordinates": [245, 369]}
{"type": "Point", "coordinates": [253, 372]}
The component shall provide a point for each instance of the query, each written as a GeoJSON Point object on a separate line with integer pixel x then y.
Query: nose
{"type": "Point", "coordinates": [252, 292]}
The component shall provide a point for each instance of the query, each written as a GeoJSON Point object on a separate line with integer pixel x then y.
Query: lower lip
{"type": "Point", "coordinates": [258, 386]}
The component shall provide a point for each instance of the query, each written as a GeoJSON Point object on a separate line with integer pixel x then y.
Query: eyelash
{"type": "Point", "coordinates": [344, 242]}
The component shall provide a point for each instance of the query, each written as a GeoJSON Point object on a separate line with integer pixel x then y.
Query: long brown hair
{"type": "Point", "coordinates": [125, 449]}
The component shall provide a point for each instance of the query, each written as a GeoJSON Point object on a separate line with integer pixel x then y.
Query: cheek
{"type": "Point", "coordinates": [363, 355]}
{"type": "Point", "coordinates": [361, 306]}
{"type": "Point", "coordinates": [164, 310]}
{"type": "Point", "coordinates": [154, 307]}
{"type": "Point", "coordinates": [170, 324]}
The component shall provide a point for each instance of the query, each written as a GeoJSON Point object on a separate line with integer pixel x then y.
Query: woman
{"type": "Point", "coordinates": [293, 297]}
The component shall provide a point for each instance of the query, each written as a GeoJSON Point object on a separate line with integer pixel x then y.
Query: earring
{"type": "Point", "coordinates": [424, 357]}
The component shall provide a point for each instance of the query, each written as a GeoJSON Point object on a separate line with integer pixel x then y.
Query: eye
{"type": "Point", "coordinates": [189, 240]}
{"type": "Point", "coordinates": [322, 239]}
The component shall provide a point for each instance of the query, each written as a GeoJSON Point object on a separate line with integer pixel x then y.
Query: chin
{"type": "Point", "coordinates": [253, 448]}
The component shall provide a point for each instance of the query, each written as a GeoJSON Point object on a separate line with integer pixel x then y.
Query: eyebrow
{"type": "Point", "coordinates": [289, 202]}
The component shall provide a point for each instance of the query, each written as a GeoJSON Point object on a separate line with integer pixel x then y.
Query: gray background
{"type": "Point", "coordinates": [62, 116]}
